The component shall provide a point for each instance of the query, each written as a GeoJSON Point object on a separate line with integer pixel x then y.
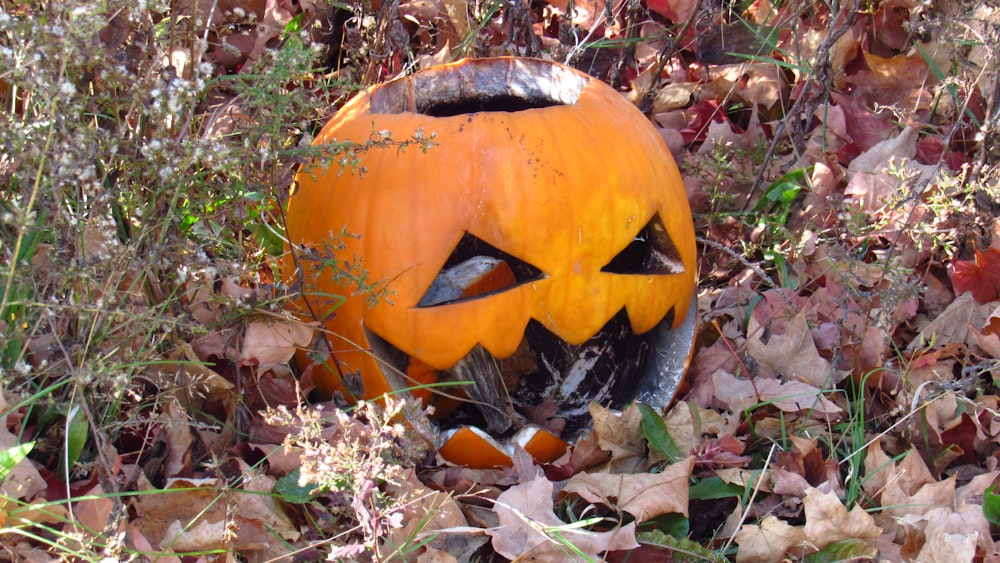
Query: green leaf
{"type": "Point", "coordinates": [12, 456]}
{"type": "Point", "coordinates": [681, 549]}
{"type": "Point", "coordinates": [290, 491]}
{"type": "Point", "coordinates": [844, 550]}
{"type": "Point", "coordinates": [77, 432]}
{"type": "Point", "coordinates": [712, 488]}
{"type": "Point", "coordinates": [991, 506]}
{"type": "Point", "coordinates": [657, 435]}
{"type": "Point", "coordinates": [294, 25]}
{"type": "Point", "coordinates": [779, 196]}
{"type": "Point", "coordinates": [673, 524]}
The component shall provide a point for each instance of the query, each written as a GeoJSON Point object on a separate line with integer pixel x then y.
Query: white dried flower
{"type": "Point", "coordinates": [22, 367]}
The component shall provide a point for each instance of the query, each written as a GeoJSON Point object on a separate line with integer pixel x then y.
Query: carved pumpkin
{"type": "Point", "coordinates": [542, 248]}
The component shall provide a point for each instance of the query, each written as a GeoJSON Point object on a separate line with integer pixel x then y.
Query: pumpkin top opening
{"type": "Point", "coordinates": [480, 85]}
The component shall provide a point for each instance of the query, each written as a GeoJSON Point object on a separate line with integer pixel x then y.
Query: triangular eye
{"type": "Point", "coordinates": [477, 269]}
{"type": "Point", "coordinates": [651, 252]}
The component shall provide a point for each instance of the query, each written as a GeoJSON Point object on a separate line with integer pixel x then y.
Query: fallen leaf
{"type": "Point", "coordinates": [266, 344]}
{"type": "Point", "coordinates": [791, 356]}
{"type": "Point", "coordinates": [740, 394]}
{"type": "Point", "coordinates": [92, 512]}
{"type": "Point", "coordinates": [587, 14]}
{"type": "Point", "coordinates": [619, 433]}
{"type": "Point", "coordinates": [955, 324]}
{"type": "Point", "coordinates": [950, 534]}
{"type": "Point", "coordinates": [643, 495]}
{"type": "Point", "coordinates": [434, 516]}
{"type": "Point", "coordinates": [902, 78]}
{"type": "Point", "coordinates": [879, 469]}
{"type": "Point", "coordinates": [981, 277]}
{"type": "Point", "coordinates": [992, 326]}
{"type": "Point", "coordinates": [769, 541]}
{"type": "Point", "coordinates": [866, 129]}
{"type": "Point", "coordinates": [23, 481]}
{"type": "Point", "coordinates": [829, 521]}
{"type": "Point", "coordinates": [870, 186]}
{"type": "Point", "coordinates": [530, 531]}
{"type": "Point", "coordinates": [677, 11]}
{"type": "Point", "coordinates": [200, 514]}
{"type": "Point", "coordinates": [179, 437]}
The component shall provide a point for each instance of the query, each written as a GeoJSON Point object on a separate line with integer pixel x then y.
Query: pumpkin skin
{"type": "Point", "coordinates": [564, 183]}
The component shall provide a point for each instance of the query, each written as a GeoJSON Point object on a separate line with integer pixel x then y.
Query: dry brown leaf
{"type": "Point", "coordinates": [870, 186]}
{"type": "Point", "coordinates": [216, 345]}
{"type": "Point", "coordinates": [23, 481]}
{"type": "Point", "coordinates": [643, 495]}
{"type": "Point", "coordinates": [680, 424]}
{"type": "Point", "coordinates": [769, 541]}
{"type": "Point", "coordinates": [746, 478]}
{"type": "Point", "coordinates": [179, 438]}
{"type": "Point", "coordinates": [140, 543]}
{"type": "Point", "coordinates": [802, 466]}
{"type": "Point", "coordinates": [913, 473]}
{"type": "Point", "coordinates": [528, 526]}
{"type": "Point", "coordinates": [262, 506]}
{"type": "Point", "coordinates": [992, 326]}
{"type": "Point", "coordinates": [828, 520]}
{"type": "Point", "coordinates": [184, 372]}
{"type": "Point", "coordinates": [619, 433]}
{"type": "Point", "coordinates": [988, 341]}
{"type": "Point", "coordinates": [791, 356]}
{"type": "Point", "coordinates": [435, 514]}
{"type": "Point", "coordinates": [972, 492]}
{"type": "Point", "coordinates": [434, 556]}
{"type": "Point", "coordinates": [92, 513]}
{"type": "Point", "coordinates": [740, 394]}
{"type": "Point", "coordinates": [955, 536]}
{"type": "Point", "coordinates": [930, 496]}
{"type": "Point", "coordinates": [203, 535]}
{"type": "Point", "coordinates": [879, 469]}
{"type": "Point", "coordinates": [955, 324]}
{"type": "Point", "coordinates": [789, 483]}
{"type": "Point", "coordinates": [39, 511]}
{"type": "Point", "coordinates": [266, 344]}
{"type": "Point", "coordinates": [197, 514]}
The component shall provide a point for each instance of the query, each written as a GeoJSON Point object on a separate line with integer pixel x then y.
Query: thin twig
{"type": "Point", "coordinates": [743, 259]}
{"type": "Point", "coordinates": [806, 104]}
{"type": "Point", "coordinates": [665, 54]}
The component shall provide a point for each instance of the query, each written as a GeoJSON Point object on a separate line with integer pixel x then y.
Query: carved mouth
{"type": "Point", "coordinates": [552, 383]}
{"type": "Point", "coordinates": [548, 381]}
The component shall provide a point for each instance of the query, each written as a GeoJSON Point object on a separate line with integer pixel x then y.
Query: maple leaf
{"type": "Point", "coordinates": [644, 495]}
{"type": "Point", "coordinates": [530, 531]}
{"type": "Point", "coordinates": [767, 542]}
{"type": "Point", "coordinates": [739, 394]}
{"type": "Point", "coordinates": [791, 356]}
{"type": "Point", "coordinates": [981, 276]}
{"type": "Point", "coordinates": [269, 343]}
{"type": "Point", "coordinates": [828, 520]}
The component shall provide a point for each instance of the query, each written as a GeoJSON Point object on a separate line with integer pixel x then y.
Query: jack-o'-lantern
{"type": "Point", "coordinates": [539, 245]}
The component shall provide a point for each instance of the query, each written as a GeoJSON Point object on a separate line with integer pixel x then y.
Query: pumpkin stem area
{"type": "Point", "coordinates": [499, 103]}
{"type": "Point", "coordinates": [471, 86]}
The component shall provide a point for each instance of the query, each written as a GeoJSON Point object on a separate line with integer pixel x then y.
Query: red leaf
{"type": "Point", "coordinates": [677, 11]}
{"type": "Point", "coordinates": [981, 277]}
